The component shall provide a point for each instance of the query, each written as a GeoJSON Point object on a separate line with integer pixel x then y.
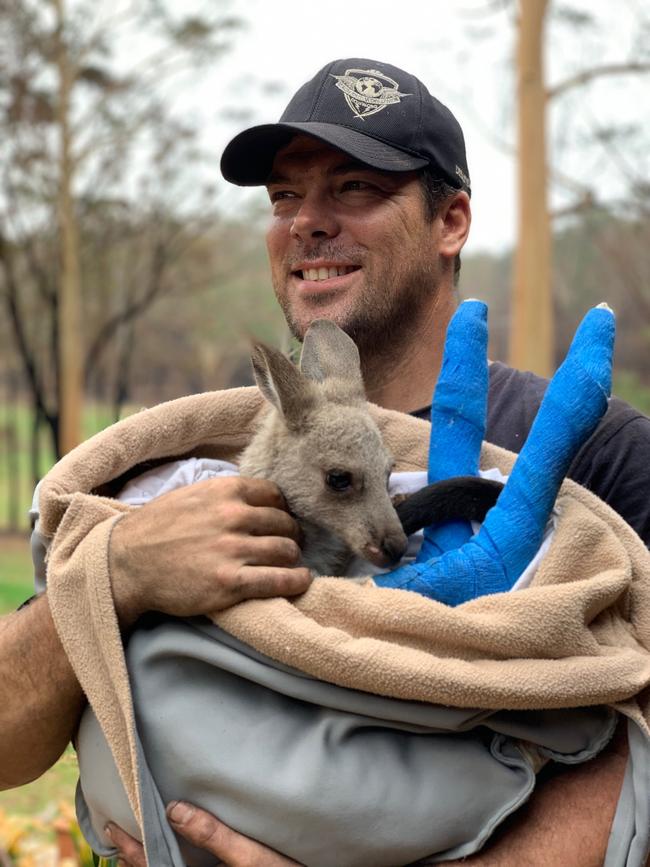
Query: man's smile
{"type": "Point", "coordinates": [321, 275]}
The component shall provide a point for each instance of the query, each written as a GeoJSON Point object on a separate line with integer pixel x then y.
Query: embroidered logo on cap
{"type": "Point", "coordinates": [367, 91]}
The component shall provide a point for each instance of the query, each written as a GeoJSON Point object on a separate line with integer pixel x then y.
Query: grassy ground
{"type": "Point", "coordinates": [47, 803]}
{"type": "Point", "coordinates": [16, 585]}
{"type": "Point", "coordinates": [46, 793]}
{"type": "Point", "coordinates": [29, 814]}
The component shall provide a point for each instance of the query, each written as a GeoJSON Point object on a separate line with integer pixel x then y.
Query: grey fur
{"type": "Point", "coordinates": [319, 423]}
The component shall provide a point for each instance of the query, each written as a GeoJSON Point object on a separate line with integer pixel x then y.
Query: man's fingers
{"type": "Point", "coordinates": [267, 521]}
{"type": "Point", "coordinates": [131, 852]}
{"type": "Point", "coordinates": [259, 492]}
{"type": "Point", "coordinates": [269, 551]}
{"type": "Point", "coordinates": [261, 582]}
{"type": "Point", "coordinates": [207, 832]}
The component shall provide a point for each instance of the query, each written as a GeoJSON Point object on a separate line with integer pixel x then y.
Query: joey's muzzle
{"type": "Point", "coordinates": [388, 553]}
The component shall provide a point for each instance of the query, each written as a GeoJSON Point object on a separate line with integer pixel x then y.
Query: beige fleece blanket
{"type": "Point", "coordinates": [579, 635]}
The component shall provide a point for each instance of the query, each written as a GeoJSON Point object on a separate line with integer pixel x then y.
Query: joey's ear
{"type": "Point", "coordinates": [282, 384]}
{"type": "Point", "coordinates": [328, 352]}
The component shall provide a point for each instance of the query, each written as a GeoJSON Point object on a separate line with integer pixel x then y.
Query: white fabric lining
{"type": "Point", "coordinates": [178, 474]}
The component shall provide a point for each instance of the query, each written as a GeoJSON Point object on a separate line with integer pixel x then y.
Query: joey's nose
{"type": "Point", "coordinates": [387, 553]}
{"type": "Point", "coordinates": [393, 551]}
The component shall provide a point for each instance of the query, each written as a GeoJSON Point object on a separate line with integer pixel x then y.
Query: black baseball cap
{"type": "Point", "coordinates": [375, 112]}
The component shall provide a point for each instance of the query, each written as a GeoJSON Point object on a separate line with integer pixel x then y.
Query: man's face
{"type": "Point", "coordinates": [349, 243]}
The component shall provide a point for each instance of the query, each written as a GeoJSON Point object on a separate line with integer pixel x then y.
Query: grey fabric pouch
{"type": "Point", "coordinates": [332, 777]}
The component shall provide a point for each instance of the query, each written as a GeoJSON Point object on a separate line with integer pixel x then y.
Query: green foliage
{"type": "Point", "coordinates": [15, 425]}
{"type": "Point", "coordinates": [14, 439]}
{"type": "Point", "coordinates": [628, 386]}
{"type": "Point", "coordinates": [16, 573]}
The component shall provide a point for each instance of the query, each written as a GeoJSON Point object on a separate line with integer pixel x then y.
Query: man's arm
{"type": "Point", "coordinates": [566, 821]}
{"type": "Point", "coordinates": [231, 539]}
{"type": "Point", "coordinates": [40, 699]}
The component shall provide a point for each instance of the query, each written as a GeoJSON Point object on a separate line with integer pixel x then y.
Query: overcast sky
{"type": "Point", "coordinates": [462, 54]}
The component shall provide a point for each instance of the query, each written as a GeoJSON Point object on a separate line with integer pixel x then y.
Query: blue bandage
{"type": "Point", "coordinates": [492, 561]}
{"type": "Point", "coordinates": [575, 401]}
{"type": "Point", "coordinates": [458, 413]}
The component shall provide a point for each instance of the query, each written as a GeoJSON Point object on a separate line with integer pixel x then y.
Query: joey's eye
{"type": "Point", "coordinates": [338, 480]}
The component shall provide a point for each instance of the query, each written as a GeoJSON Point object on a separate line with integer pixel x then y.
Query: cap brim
{"type": "Point", "coordinates": [248, 159]}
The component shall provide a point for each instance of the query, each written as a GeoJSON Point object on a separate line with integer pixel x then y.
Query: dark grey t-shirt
{"type": "Point", "coordinates": [614, 463]}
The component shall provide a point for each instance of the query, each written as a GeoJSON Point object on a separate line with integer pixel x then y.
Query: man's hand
{"type": "Point", "coordinates": [205, 547]}
{"type": "Point", "coordinates": [205, 832]}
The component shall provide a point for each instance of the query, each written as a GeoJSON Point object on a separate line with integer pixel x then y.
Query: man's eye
{"type": "Point", "coordinates": [279, 195]}
{"type": "Point", "coordinates": [353, 186]}
{"type": "Point", "coordinates": [338, 480]}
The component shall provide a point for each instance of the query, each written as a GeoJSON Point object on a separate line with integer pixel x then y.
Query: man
{"type": "Point", "coordinates": [369, 191]}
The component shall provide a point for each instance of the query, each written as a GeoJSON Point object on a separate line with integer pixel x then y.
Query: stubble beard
{"type": "Point", "coordinates": [383, 316]}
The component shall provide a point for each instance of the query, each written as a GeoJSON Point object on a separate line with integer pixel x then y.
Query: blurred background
{"type": "Point", "coordinates": [131, 273]}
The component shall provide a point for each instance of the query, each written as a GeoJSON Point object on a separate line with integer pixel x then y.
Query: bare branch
{"type": "Point", "coordinates": [635, 283]}
{"type": "Point", "coordinates": [124, 372]}
{"type": "Point", "coordinates": [619, 156]}
{"type": "Point", "coordinates": [588, 75]}
{"type": "Point", "coordinates": [586, 203]}
{"type": "Point", "coordinates": [580, 189]}
{"type": "Point", "coordinates": [470, 109]}
{"type": "Point", "coordinates": [130, 312]}
{"type": "Point", "coordinates": [42, 279]}
{"type": "Point", "coordinates": [486, 9]}
{"type": "Point", "coordinates": [17, 321]}
{"type": "Point", "coordinates": [117, 17]}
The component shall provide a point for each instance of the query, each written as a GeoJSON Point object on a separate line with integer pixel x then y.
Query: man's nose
{"type": "Point", "coordinates": [315, 218]}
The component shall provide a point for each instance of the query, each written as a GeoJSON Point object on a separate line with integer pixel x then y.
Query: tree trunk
{"type": "Point", "coordinates": [70, 381]}
{"type": "Point", "coordinates": [531, 335]}
{"type": "Point", "coordinates": [13, 464]}
{"type": "Point", "coordinates": [124, 370]}
{"type": "Point", "coordinates": [10, 439]}
{"type": "Point", "coordinates": [35, 445]}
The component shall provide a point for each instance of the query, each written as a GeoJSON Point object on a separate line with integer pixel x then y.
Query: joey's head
{"type": "Point", "coordinates": [322, 447]}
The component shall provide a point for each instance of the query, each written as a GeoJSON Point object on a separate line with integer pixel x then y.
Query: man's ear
{"type": "Point", "coordinates": [282, 384]}
{"type": "Point", "coordinates": [456, 217]}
